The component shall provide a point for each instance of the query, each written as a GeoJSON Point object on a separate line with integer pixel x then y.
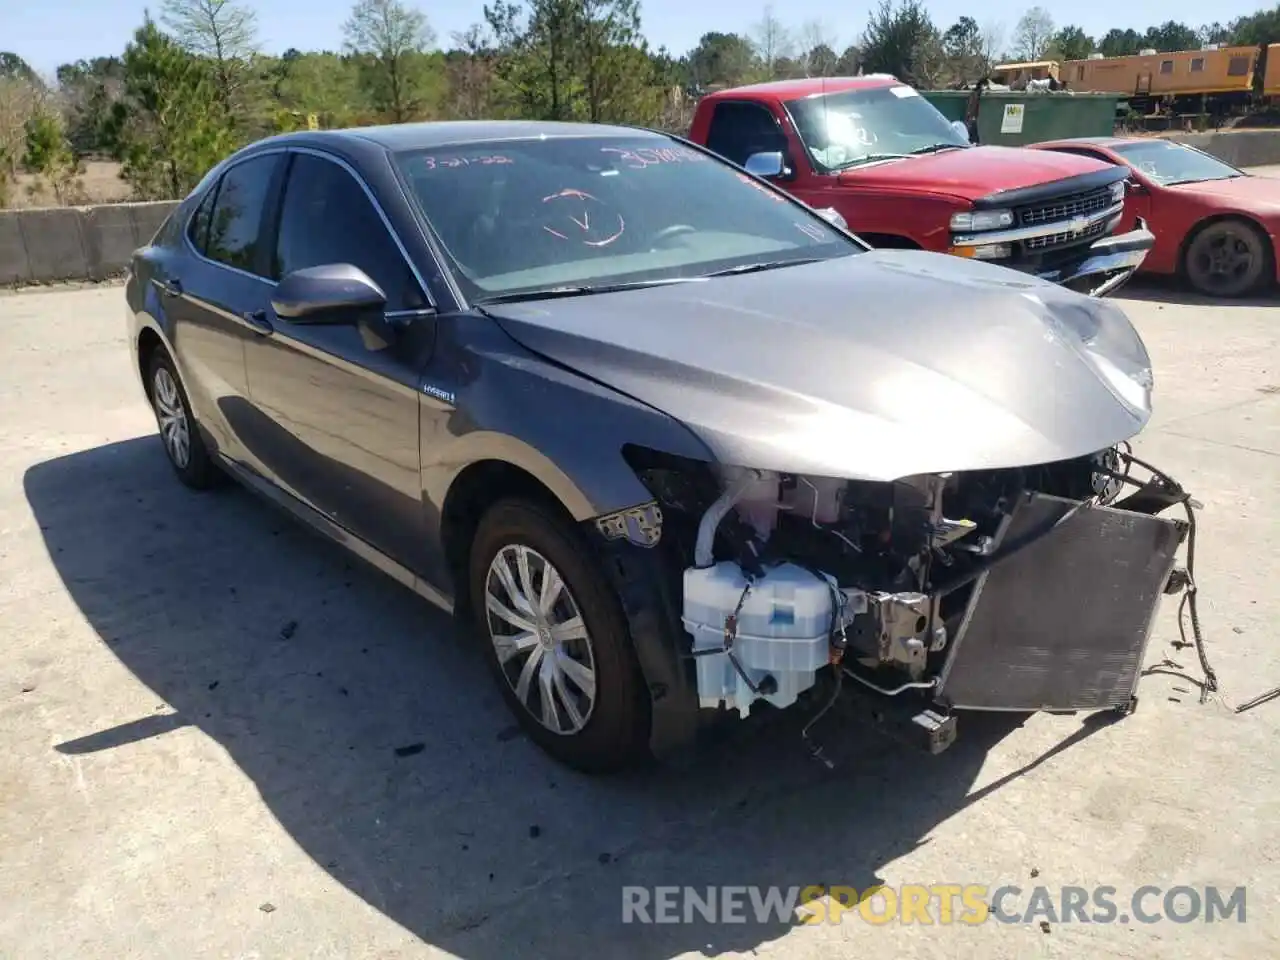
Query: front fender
{"type": "Point", "coordinates": [562, 428]}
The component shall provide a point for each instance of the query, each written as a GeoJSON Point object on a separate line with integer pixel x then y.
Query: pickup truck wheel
{"type": "Point", "coordinates": [1227, 258]}
{"type": "Point", "coordinates": [553, 631]}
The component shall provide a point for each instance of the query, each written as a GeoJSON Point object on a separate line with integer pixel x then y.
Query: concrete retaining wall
{"type": "Point", "coordinates": [94, 243]}
{"type": "Point", "coordinates": [74, 243]}
{"type": "Point", "coordinates": [1248, 148]}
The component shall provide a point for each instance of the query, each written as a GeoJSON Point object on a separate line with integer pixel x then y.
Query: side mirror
{"type": "Point", "coordinates": [766, 164]}
{"type": "Point", "coordinates": [961, 129]}
{"type": "Point", "coordinates": [332, 293]}
{"type": "Point", "coordinates": [832, 215]}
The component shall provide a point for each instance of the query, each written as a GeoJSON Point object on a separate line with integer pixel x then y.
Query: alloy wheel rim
{"type": "Point", "coordinates": [540, 639]}
{"type": "Point", "coordinates": [175, 430]}
{"type": "Point", "coordinates": [1225, 259]}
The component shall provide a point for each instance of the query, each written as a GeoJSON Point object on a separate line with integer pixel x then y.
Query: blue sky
{"type": "Point", "coordinates": [49, 32]}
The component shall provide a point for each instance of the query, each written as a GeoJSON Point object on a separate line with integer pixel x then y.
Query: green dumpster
{"type": "Point", "coordinates": [1012, 119]}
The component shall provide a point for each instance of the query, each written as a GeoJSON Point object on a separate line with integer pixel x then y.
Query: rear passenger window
{"type": "Point", "coordinates": [326, 218]}
{"type": "Point", "coordinates": [234, 226]}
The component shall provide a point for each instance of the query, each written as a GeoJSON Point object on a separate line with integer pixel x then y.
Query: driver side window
{"type": "Point", "coordinates": [740, 129]}
{"type": "Point", "coordinates": [326, 217]}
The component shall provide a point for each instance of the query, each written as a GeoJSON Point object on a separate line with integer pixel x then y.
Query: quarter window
{"type": "Point", "coordinates": [235, 226]}
{"type": "Point", "coordinates": [327, 218]}
{"type": "Point", "coordinates": [198, 227]}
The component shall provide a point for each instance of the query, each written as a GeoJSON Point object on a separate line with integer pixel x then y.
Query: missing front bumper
{"type": "Point", "coordinates": [1064, 624]}
{"type": "Point", "coordinates": [1108, 264]}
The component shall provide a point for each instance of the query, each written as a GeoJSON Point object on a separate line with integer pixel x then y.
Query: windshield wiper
{"type": "Point", "coordinates": [869, 158]}
{"type": "Point", "coordinates": [1229, 176]}
{"type": "Point", "coordinates": [935, 147]}
{"type": "Point", "coordinates": [766, 265]}
{"type": "Point", "coordinates": [580, 290]}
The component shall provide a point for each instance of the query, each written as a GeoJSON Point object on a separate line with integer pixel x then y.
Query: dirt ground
{"type": "Point", "coordinates": [222, 737]}
{"type": "Point", "coordinates": [100, 183]}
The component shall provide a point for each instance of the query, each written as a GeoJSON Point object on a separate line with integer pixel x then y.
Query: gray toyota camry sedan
{"type": "Point", "coordinates": [673, 445]}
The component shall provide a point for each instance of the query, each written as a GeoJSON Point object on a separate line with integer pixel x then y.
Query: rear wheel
{"type": "Point", "coordinates": [1227, 258]}
{"type": "Point", "coordinates": [178, 432]}
{"type": "Point", "coordinates": [553, 632]}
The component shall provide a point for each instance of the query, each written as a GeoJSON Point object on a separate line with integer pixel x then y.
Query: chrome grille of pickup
{"type": "Point", "coordinates": [1059, 239]}
{"type": "Point", "coordinates": [1064, 208]}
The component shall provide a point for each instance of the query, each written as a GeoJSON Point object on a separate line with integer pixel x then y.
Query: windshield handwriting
{"type": "Point", "coordinates": [608, 225]}
{"type": "Point", "coordinates": [776, 198]}
{"type": "Point", "coordinates": [649, 157]}
{"type": "Point", "coordinates": [453, 163]}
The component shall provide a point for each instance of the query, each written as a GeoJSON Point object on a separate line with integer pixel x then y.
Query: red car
{"type": "Point", "coordinates": [1216, 226]}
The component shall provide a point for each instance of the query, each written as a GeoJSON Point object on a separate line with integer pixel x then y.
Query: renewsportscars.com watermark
{"type": "Point", "coordinates": [932, 904]}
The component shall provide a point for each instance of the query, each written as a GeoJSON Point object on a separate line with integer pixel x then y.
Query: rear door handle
{"type": "Point", "coordinates": [258, 320]}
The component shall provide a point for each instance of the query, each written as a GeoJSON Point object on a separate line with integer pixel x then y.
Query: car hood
{"type": "Point", "coordinates": [974, 172]}
{"type": "Point", "coordinates": [874, 366]}
{"type": "Point", "coordinates": [1260, 193]}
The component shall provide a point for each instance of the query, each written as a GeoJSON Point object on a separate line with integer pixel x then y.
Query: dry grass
{"type": "Point", "coordinates": [100, 183]}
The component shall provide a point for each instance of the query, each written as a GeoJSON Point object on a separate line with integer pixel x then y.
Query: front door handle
{"type": "Point", "coordinates": [258, 320]}
{"type": "Point", "coordinates": [172, 286]}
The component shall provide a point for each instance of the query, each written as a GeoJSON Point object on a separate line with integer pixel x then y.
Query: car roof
{"type": "Point", "coordinates": [397, 137]}
{"type": "Point", "coordinates": [806, 87]}
{"type": "Point", "coordinates": [1105, 142]}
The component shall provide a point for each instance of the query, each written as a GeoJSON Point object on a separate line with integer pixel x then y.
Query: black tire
{"type": "Point", "coordinates": [1227, 258]}
{"type": "Point", "coordinates": [614, 732]}
{"type": "Point", "coordinates": [197, 471]}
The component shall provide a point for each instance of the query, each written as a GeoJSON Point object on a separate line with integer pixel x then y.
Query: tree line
{"type": "Point", "coordinates": [194, 84]}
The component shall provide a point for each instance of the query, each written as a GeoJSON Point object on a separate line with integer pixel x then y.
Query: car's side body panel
{"type": "Point", "coordinates": [485, 397]}
{"type": "Point", "coordinates": [1174, 212]}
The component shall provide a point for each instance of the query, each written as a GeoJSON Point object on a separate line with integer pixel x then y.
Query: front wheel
{"type": "Point", "coordinates": [553, 631]}
{"type": "Point", "coordinates": [1229, 258]}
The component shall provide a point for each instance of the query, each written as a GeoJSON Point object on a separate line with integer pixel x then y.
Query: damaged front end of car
{"type": "Point", "coordinates": [1025, 589]}
{"type": "Point", "coordinates": [929, 494]}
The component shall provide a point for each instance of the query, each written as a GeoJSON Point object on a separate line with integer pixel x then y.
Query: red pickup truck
{"type": "Point", "coordinates": [898, 174]}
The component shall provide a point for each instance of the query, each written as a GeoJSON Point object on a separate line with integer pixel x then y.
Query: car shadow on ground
{"type": "Point", "coordinates": [378, 741]}
{"type": "Point", "coordinates": [1171, 290]}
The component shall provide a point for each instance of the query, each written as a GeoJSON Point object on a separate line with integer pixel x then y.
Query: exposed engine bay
{"type": "Point", "coordinates": [1013, 589]}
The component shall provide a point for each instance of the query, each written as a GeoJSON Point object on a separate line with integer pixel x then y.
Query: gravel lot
{"type": "Point", "coordinates": [201, 707]}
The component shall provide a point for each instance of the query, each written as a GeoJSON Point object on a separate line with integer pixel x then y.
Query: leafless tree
{"type": "Point", "coordinates": [471, 73]}
{"type": "Point", "coordinates": [391, 34]}
{"type": "Point", "coordinates": [993, 34]}
{"type": "Point", "coordinates": [223, 31]}
{"type": "Point", "coordinates": [20, 100]}
{"type": "Point", "coordinates": [771, 40]}
{"type": "Point", "coordinates": [1034, 32]}
{"type": "Point", "coordinates": [816, 48]}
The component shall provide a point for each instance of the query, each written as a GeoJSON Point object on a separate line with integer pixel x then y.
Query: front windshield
{"type": "Point", "coordinates": [523, 216]}
{"type": "Point", "coordinates": [855, 126]}
{"type": "Point", "coordinates": [1168, 163]}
